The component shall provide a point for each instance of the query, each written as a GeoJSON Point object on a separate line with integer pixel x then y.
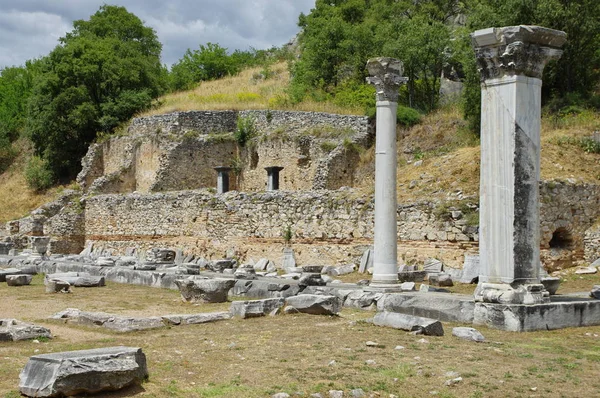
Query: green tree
{"type": "Point", "coordinates": [574, 78]}
{"type": "Point", "coordinates": [101, 74]}
{"type": "Point", "coordinates": [209, 62]}
{"type": "Point", "coordinates": [339, 37]}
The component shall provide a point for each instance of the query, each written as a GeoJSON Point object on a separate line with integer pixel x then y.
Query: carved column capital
{"type": "Point", "coordinates": [516, 50]}
{"type": "Point", "coordinates": [386, 76]}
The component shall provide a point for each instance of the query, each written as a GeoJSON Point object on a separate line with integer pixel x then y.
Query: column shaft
{"type": "Point", "coordinates": [385, 261]}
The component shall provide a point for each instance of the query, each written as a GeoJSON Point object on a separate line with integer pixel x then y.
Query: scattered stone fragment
{"type": "Point", "coordinates": [595, 293]}
{"type": "Point", "coordinates": [315, 304]}
{"type": "Point", "coordinates": [428, 326]}
{"type": "Point", "coordinates": [443, 280]}
{"type": "Point", "coordinates": [468, 334]}
{"type": "Point", "coordinates": [586, 270]}
{"type": "Point", "coordinates": [288, 261]}
{"type": "Point", "coordinates": [82, 372]}
{"type": "Point", "coordinates": [221, 265]}
{"type": "Point", "coordinates": [362, 300]}
{"type": "Point", "coordinates": [195, 319]}
{"type": "Point", "coordinates": [8, 271]}
{"type": "Point", "coordinates": [370, 362]}
{"type": "Point", "coordinates": [312, 268]}
{"type": "Point", "coordinates": [399, 347]}
{"type": "Point", "coordinates": [471, 269]}
{"type": "Point", "coordinates": [433, 265]}
{"type": "Point", "coordinates": [105, 262]}
{"type": "Point", "coordinates": [261, 265]}
{"type": "Point", "coordinates": [423, 341]}
{"type": "Point", "coordinates": [408, 286]}
{"type": "Point", "coordinates": [290, 310]}
{"type": "Point", "coordinates": [342, 270]}
{"type": "Point", "coordinates": [204, 290]}
{"type": "Point", "coordinates": [245, 272]}
{"type": "Point", "coordinates": [374, 344]}
{"type": "Point", "coordinates": [18, 280]}
{"type": "Point", "coordinates": [411, 276]}
{"type": "Point", "coordinates": [77, 279]}
{"type": "Point", "coordinates": [454, 381]}
{"type": "Point", "coordinates": [366, 261]}
{"type": "Point", "coordinates": [15, 330]}
{"type": "Point", "coordinates": [312, 279]}
{"type": "Point", "coordinates": [255, 308]}
{"type": "Point", "coordinates": [57, 286]}
{"type": "Point", "coordinates": [357, 393]}
{"type": "Point", "coordinates": [281, 395]}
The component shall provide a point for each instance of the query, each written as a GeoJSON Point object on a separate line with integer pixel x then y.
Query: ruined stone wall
{"type": "Point", "coordinates": [328, 227]}
{"type": "Point", "coordinates": [179, 151]}
{"type": "Point", "coordinates": [567, 211]}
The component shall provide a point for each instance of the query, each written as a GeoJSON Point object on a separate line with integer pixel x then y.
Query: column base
{"type": "Point", "coordinates": [383, 288]}
{"type": "Point", "coordinates": [499, 293]}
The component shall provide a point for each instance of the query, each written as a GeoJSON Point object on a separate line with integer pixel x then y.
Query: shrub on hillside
{"type": "Point", "coordinates": [405, 116]}
{"type": "Point", "coordinates": [38, 175]}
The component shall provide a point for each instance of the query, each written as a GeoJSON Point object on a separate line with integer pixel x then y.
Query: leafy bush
{"type": "Point", "coordinates": [407, 117]}
{"type": "Point", "coordinates": [38, 174]}
{"type": "Point", "coordinates": [245, 131]}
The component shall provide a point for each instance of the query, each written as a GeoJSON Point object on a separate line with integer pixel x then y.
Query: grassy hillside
{"type": "Point", "coordinates": [248, 90]}
{"type": "Point", "coordinates": [436, 159]}
{"type": "Point", "coordinates": [16, 198]}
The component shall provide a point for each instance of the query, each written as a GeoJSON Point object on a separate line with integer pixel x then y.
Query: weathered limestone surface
{"type": "Point", "coordinates": [524, 318]}
{"type": "Point", "coordinates": [15, 330]}
{"type": "Point", "coordinates": [82, 372]}
{"type": "Point", "coordinates": [315, 304]}
{"type": "Point", "coordinates": [131, 324]}
{"type": "Point", "coordinates": [205, 290]}
{"type": "Point", "coordinates": [426, 326]}
{"type": "Point", "coordinates": [255, 308]}
{"type": "Point", "coordinates": [442, 306]}
{"type": "Point", "coordinates": [511, 61]}
{"type": "Point", "coordinates": [18, 280]}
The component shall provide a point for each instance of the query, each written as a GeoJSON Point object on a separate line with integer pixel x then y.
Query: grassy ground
{"type": "Point", "coordinates": [303, 353]}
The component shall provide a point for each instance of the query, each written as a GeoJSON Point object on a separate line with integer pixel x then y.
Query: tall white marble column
{"type": "Point", "coordinates": [386, 76]}
{"type": "Point", "coordinates": [511, 61]}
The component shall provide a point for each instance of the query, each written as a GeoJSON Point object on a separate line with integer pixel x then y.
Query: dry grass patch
{"type": "Point", "coordinates": [16, 198]}
{"type": "Point", "coordinates": [259, 357]}
{"type": "Point", "coordinates": [241, 92]}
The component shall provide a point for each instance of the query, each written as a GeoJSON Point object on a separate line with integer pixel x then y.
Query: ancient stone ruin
{"type": "Point", "coordinates": [178, 203]}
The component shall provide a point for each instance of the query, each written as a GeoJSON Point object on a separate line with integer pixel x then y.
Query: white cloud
{"type": "Point", "coordinates": [31, 28]}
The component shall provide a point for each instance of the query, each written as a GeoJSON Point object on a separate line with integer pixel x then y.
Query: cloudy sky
{"type": "Point", "coordinates": [31, 28]}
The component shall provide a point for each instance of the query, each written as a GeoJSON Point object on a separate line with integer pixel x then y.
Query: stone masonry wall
{"type": "Point", "coordinates": [179, 151]}
{"type": "Point", "coordinates": [327, 226]}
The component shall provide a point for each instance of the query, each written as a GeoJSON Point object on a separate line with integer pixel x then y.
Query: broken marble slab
{"type": "Point", "coordinates": [15, 330]}
{"type": "Point", "coordinates": [426, 326]}
{"type": "Point", "coordinates": [83, 372]}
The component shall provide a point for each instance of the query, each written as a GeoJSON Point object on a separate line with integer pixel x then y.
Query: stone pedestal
{"type": "Point", "coordinates": [511, 61]}
{"type": "Point", "coordinates": [386, 77]}
{"type": "Point", "coordinates": [222, 178]}
{"type": "Point", "coordinates": [273, 177]}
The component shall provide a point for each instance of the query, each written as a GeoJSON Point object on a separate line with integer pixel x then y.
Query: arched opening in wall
{"type": "Point", "coordinates": [253, 159]}
{"type": "Point", "coordinates": [561, 239]}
